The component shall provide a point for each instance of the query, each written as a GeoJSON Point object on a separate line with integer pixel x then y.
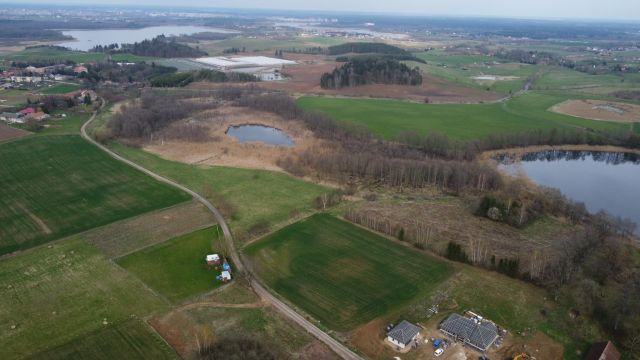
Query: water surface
{"type": "Point", "coordinates": [260, 133]}
{"type": "Point", "coordinates": [86, 39]}
{"type": "Point", "coordinates": [601, 180]}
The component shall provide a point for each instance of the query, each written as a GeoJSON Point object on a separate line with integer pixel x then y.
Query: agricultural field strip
{"type": "Point", "coordinates": [336, 346]}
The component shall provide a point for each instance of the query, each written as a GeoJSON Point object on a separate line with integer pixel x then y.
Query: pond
{"type": "Point", "coordinates": [601, 180]}
{"type": "Point", "coordinates": [260, 133]}
{"type": "Point", "coordinates": [86, 39]}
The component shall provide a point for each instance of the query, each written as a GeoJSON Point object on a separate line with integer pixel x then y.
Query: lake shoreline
{"type": "Point", "coordinates": [517, 153]}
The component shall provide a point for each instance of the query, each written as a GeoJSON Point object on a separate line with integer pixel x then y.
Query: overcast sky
{"type": "Point", "coordinates": [591, 9]}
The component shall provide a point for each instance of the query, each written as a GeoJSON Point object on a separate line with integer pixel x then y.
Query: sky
{"type": "Point", "coordinates": [587, 9]}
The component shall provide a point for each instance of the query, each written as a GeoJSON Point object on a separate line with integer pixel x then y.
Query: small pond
{"type": "Point", "coordinates": [601, 180]}
{"type": "Point", "coordinates": [260, 133]}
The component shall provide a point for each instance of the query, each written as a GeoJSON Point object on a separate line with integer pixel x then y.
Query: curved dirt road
{"type": "Point", "coordinates": [266, 296]}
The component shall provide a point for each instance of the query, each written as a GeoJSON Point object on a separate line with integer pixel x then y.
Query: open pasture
{"type": "Point", "coordinates": [60, 89]}
{"type": "Point", "coordinates": [131, 339]}
{"type": "Point", "coordinates": [55, 186]}
{"type": "Point", "coordinates": [55, 294]}
{"type": "Point", "coordinates": [253, 196]}
{"type": "Point", "coordinates": [341, 274]}
{"type": "Point", "coordinates": [53, 54]}
{"type": "Point", "coordinates": [389, 118]}
{"type": "Point", "coordinates": [177, 268]}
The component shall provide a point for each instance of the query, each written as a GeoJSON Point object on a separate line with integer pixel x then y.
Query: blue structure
{"type": "Point", "coordinates": [225, 266]}
{"type": "Point", "coordinates": [436, 343]}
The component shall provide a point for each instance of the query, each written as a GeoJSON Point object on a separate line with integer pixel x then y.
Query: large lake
{"type": "Point", "coordinates": [86, 39]}
{"type": "Point", "coordinates": [601, 180]}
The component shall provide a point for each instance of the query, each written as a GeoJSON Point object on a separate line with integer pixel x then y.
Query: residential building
{"type": "Point", "coordinates": [475, 332]}
{"type": "Point", "coordinates": [403, 334]}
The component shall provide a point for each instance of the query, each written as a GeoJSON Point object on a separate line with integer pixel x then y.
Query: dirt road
{"type": "Point", "coordinates": [264, 294]}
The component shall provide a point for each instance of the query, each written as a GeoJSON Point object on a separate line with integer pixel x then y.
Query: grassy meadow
{"type": "Point", "coordinates": [131, 339]}
{"type": "Point", "coordinates": [176, 268]}
{"type": "Point", "coordinates": [389, 118]}
{"type": "Point", "coordinates": [256, 196]}
{"type": "Point", "coordinates": [56, 294]}
{"type": "Point", "coordinates": [59, 55]}
{"type": "Point", "coordinates": [61, 89]}
{"type": "Point", "coordinates": [55, 186]}
{"type": "Point", "coordinates": [341, 274]}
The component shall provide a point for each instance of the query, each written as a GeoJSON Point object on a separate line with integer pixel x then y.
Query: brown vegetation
{"type": "Point", "coordinates": [215, 147]}
{"type": "Point", "coordinates": [124, 237]}
{"type": "Point", "coordinates": [8, 132]}
{"type": "Point", "coordinates": [304, 78]}
{"type": "Point", "coordinates": [599, 110]}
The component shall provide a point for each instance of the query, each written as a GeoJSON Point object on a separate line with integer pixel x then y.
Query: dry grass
{"type": "Point", "coordinates": [304, 78]}
{"type": "Point", "coordinates": [127, 236]}
{"type": "Point", "coordinates": [225, 150]}
{"type": "Point", "coordinates": [599, 110]}
{"type": "Point", "coordinates": [451, 219]}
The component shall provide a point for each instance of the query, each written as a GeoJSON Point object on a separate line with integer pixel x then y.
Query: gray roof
{"type": "Point", "coordinates": [404, 332]}
{"type": "Point", "coordinates": [477, 334]}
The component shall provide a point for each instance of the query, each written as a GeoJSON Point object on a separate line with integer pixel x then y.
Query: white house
{"type": "Point", "coordinates": [213, 259]}
{"type": "Point", "coordinates": [226, 276]}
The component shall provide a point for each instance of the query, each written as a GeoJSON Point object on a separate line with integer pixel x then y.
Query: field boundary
{"type": "Point", "coordinates": [336, 346]}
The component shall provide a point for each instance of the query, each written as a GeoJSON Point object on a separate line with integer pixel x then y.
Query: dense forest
{"type": "Point", "coordinates": [109, 71]}
{"type": "Point", "coordinates": [160, 46]}
{"type": "Point", "coordinates": [366, 48]}
{"type": "Point", "coordinates": [365, 71]}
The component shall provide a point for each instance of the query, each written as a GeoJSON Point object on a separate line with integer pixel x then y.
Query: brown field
{"type": "Point", "coordinates": [8, 132]}
{"type": "Point", "coordinates": [304, 78]}
{"type": "Point", "coordinates": [124, 237]}
{"type": "Point", "coordinates": [225, 150]}
{"type": "Point", "coordinates": [599, 110]}
{"type": "Point", "coordinates": [451, 218]}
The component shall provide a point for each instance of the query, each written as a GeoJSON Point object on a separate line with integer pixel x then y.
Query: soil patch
{"type": "Point", "coordinates": [225, 150]}
{"type": "Point", "coordinates": [304, 78]}
{"type": "Point", "coordinates": [8, 132]}
{"type": "Point", "coordinates": [599, 110]}
{"type": "Point", "coordinates": [317, 351]}
{"type": "Point", "coordinates": [127, 236]}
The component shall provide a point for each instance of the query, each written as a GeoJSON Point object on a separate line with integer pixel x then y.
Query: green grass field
{"type": "Point", "coordinates": [54, 54]}
{"type": "Point", "coordinates": [388, 118]}
{"type": "Point", "coordinates": [61, 89]}
{"type": "Point", "coordinates": [131, 339]}
{"type": "Point", "coordinates": [341, 274]}
{"type": "Point", "coordinates": [176, 268]}
{"type": "Point", "coordinates": [54, 295]}
{"type": "Point", "coordinates": [55, 186]}
{"type": "Point", "coordinates": [256, 195]}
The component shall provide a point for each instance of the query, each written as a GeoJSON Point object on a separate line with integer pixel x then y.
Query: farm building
{"type": "Point", "coordinates": [11, 117]}
{"type": "Point", "coordinates": [403, 334]}
{"type": "Point", "coordinates": [603, 351]}
{"type": "Point", "coordinates": [479, 334]}
{"type": "Point", "coordinates": [38, 115]}
{"type": "Point", "coordinates": [213, 259]}
{"type": "Point", "coordinates": [230, 63]}
{"type": "Point", "coordinates": [225, 276]}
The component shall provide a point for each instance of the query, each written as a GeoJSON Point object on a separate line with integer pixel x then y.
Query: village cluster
{"type": "Point", "coordinates": [17, 76]}
{"type": "Point", "coordinates": [34, 111]}
{"type": "Point", "coordinates": [470, 330]}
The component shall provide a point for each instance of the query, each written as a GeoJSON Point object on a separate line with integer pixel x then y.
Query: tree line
{"type": "Point", "coordinates": [185, 78]}
{"type": "Point", "coordinates": [371, 70]}
{"type": "Point", "coordinates": [160, 46]}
